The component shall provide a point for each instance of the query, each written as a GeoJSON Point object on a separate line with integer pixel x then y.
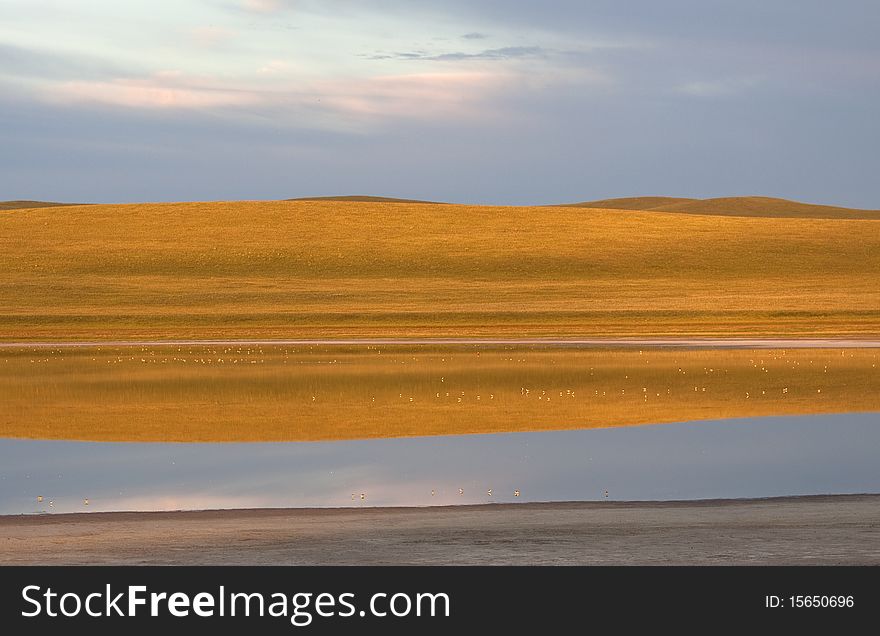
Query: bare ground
{"type": "Point", "coordinates": [825, 530]}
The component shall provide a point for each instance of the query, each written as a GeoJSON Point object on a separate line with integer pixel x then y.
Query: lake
{"type": "Point", "coordinates": [745, 457]}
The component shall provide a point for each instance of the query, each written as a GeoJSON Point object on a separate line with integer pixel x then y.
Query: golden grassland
{"type": "Point", "coordinates": [307, 269]}
{"type": "Point", "coordinates": [733, 206]}
{"type": "Point", "coordinates": [202, 393]}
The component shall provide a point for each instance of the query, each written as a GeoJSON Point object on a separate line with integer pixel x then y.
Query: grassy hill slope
{"type": "Point", "coordinates": [19, 205]}
{"type": "Point", "coordinates": [362, 198]}
{"type": "Point", "coordinates": [733, 206]}
{"type": "Point", "coordinates": [355, 269]}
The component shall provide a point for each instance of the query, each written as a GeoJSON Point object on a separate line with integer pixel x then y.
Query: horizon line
{"type": "Point", "coordinates": [723, 343]}
{"type": "Point", "coordinates": [368, 198]}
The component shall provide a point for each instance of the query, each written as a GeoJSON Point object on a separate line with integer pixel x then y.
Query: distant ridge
{"type": "Point", "coordinates": [363, 198]}
{"type": "Point", "coordinates": [723, 206]}
{"type": "Point", "coordinates": [731, 206]}
{"type": "Point", "coordinates": [19, 205]}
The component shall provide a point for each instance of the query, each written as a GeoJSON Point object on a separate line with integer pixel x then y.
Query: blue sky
{"type": "Point", "coordinates": [507, 102]}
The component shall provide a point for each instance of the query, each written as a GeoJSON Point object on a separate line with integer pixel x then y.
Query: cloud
{"type": "Point", "coordinates": [209, 36]}
{"type": "Point", "coordinates": [412, 96]}
{"type": "Point", "coordinates": [349, 103]}
{"type": "Point", "coordinates": [167, 90]}
{"type": "Point", "coordinates": [474, 36]}
{"type": "Point", "coordinates": [262, 6]}
{"type": "Point", "coordinates": [504, 53]}
{"type": "Point", "coordinates": [273, 67]}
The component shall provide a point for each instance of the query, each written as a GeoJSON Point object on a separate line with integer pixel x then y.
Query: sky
{"type": "Point", "coordinates": [508, 102]}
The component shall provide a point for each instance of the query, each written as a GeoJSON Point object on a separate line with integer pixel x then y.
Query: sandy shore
{"type": "Point", "coordinates": [683, 342]}
{"type": "Point", "coordinates": [793, 530]}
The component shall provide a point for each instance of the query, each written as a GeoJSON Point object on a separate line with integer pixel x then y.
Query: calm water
{"type": "Point", "coordinates": [756, 457]}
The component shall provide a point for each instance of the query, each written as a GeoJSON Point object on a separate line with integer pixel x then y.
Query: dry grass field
{"type": "Point", "coordinates": [213, 393]}
{"type": "Point", "coordinates": [306, 269]}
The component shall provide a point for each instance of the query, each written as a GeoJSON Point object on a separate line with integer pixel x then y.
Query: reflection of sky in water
{"type": "Point", "coordinates": [734, 458]}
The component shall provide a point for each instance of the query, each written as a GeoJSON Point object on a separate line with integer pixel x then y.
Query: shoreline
{"type": "Point", "coordinates": [709, 343]}
{"type": "Point", "coordinates": [810, 529]}
{"type": "Point", "coordinates": [625, 503]}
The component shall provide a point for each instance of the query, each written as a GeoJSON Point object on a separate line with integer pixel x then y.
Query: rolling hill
{"type": "Point", "coordinates": [20, 205]}
{"type": "Point", "coordinates": [731, 206]}
{"type": "Point", "coordinates": [290, 269]}
{"type": "Point", "coordinates": [361, 198]}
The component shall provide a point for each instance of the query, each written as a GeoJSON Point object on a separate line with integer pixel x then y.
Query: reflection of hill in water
{"type": "Point", "coordinates": [216, 393]}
